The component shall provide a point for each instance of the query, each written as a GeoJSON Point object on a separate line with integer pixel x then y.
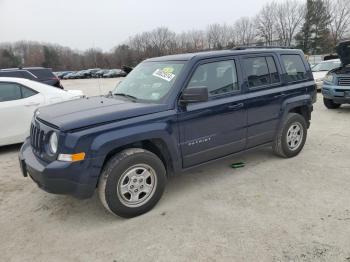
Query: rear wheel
{"type": "Point", "coordinates": [329, 103]}
{"type": "Point", "coordinates": [291, 137]}
{"type": "Point", "coordinates": [132, 182]}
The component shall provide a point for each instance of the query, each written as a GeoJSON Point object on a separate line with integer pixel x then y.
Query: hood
{"type": "Point", "coordinates": [91, 111]}
{"type": "Point", "coordinates": [343, 50]}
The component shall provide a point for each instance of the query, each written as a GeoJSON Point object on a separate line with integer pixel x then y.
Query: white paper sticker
{"type": "Point", "coordinates": [164, 75]}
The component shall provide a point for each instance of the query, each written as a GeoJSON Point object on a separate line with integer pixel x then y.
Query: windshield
{"type": "Point", "coordinates": [150, 80]}
{"type": "Point", "coordinates": [326, 66]}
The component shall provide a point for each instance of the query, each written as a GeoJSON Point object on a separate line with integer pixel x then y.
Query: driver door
{"type": "Point", "coordinates": [217, 127]}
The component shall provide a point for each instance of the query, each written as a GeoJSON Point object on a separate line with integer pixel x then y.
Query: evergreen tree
{"type": "Point", "coordinates": [314, 36]}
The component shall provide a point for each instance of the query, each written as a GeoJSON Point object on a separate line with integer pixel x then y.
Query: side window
{"type": "Point", "coordinates": [27, 92]}
{"type": "Point", "coordinates": [11, 74]}
{"type": "Point", "coordinates": [257, 71]}
{"type": "Point", "coordinates": [294, 67]}
{"type": "Point", "coordinates": [218, 77]}
{"type": "Point", "coordinates": [9, 92]}
{"type": "Point", "coordinates": [275, 76]}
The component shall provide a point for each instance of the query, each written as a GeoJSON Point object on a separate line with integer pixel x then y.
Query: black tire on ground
{"type": "Point", "coordinates": [330, 104]}
{"type": "Point", "coordinates": [281, 147]}
{"type": "Point", "coordinates": [131, 163]}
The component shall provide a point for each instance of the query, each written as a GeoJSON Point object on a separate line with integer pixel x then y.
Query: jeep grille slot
{"type": "Point", "coordinates": [344, 81]}
{"type": "Point", "coordinates": [36, 138]}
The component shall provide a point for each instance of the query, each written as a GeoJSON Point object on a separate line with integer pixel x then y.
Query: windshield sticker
{"type": "Point", "coordinates": [167, 76]}
{"type": "Point", "coordinates": [168, 70]}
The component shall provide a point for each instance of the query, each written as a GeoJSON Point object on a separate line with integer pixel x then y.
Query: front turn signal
{"type": "Point", "coordinates": [71, 157]}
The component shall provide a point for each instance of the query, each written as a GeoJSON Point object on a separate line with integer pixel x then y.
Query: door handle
{"type": "Point", "coordinates": [236, 106]}
{"type": "Point", "coordinates": [32, 104]}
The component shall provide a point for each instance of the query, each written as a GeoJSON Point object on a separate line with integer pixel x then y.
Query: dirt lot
{"type": "Point", "coordinates": [271, 210]}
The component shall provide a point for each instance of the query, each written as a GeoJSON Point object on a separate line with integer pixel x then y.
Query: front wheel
{"type": "Point", "coordinates": [291, 138]}
{"type": "Point", "coordinates": [132, 182]}
{"type": "Point", "coordinates": [329, 103]}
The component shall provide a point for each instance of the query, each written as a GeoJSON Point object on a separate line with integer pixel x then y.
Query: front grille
{"type": "Point", "coordinates": [36, 138]}
{"type": "Point", "coordinates": [344, 81]}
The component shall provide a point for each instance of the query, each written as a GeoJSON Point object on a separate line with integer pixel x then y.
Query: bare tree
{"type": "Point", "coordinates": [162, 40]}
{"type": "Point", "coordinates": [288, 16]}
{"type": "Point", "coordinates": [244, 31]}
{"type": "Point", "coordinates": [340, 19]}
{"type": "Point", "coordinates": [266, 23]}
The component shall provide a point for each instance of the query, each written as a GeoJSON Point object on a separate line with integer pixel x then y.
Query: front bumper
{"type": "Point", "coordinates": [78, 179]}
{"type": "Point", "coordinates": [339, 94]}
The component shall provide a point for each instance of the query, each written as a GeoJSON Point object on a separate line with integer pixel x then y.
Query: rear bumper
{"type": "Point", "coordinates": [76, 179]}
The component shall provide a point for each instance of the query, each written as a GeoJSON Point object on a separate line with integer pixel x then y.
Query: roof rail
{"type": "Point", "coordinates": [261, 47]}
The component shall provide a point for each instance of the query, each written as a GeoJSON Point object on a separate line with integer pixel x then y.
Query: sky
{"type": "Point", "coordinates": [82, 24]}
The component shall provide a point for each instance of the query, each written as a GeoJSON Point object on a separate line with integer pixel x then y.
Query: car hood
{"type": "Point", "coordinates": [86, 112]}
{"type": "Point", "coordinates": [343, 50]}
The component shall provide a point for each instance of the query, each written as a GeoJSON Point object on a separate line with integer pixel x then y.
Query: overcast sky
{"type": "Point", "coordinates": [81, 24]}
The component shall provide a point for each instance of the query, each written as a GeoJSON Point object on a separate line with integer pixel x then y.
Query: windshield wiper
{"type": "Point", "coordinates": [125, 95]}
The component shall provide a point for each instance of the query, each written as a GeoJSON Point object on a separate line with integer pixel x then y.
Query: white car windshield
{"type": "Point", "coordinates": [326, 66]}
{"type": "Point", "coordinates": [150, 81]}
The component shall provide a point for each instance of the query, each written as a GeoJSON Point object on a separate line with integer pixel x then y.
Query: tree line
{"type": "Point", "coordinates": [315, 26]}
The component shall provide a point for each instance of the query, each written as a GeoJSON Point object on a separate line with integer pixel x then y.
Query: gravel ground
{"type": "Point", "coordinates": [271, 210]}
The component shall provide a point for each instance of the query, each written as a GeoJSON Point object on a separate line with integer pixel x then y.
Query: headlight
{"type": "Point", "coordinates": [329, 78]}
{"type": "Point", "coordinates": [53, 142]}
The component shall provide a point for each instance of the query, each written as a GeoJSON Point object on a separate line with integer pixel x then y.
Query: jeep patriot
{"type": "Point", "coordinates": [170, 114]}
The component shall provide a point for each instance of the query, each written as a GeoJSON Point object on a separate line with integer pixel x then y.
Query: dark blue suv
{"type": "Point", "coordinates": [170, 114]}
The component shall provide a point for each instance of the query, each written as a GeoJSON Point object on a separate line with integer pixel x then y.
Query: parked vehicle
{"type": "Point", "coordinates": [61, 75]}
{"type": "Point", "coordinates": [336, 86]}
{"type": "Point", "coordinates": [100, 73]}
{"type": "Point", "coordinates": [19, 98]}
{"type": "Point", "coordinates": [320, 70]}
{"type": "Point", "coordinates": [40, 74]}
{"type": "Point", "coordinates": [168, 115]}
{"type": "Point", "coordinates": [69, 75]}
{"type": "Point", "coordinates": [114, 73]}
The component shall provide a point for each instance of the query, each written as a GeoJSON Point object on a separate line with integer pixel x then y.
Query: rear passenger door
{"type": "Point", "coordinates": [264, 97]}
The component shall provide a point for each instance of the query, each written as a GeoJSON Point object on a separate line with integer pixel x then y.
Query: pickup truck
{"type": "Point", "coordinates": [170, 114]}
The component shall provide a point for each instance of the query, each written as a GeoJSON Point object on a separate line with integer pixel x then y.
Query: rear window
{"type": "Point", "coordinates": [42, 73]}
{"type": "Point", "coordinates": [295, 67]}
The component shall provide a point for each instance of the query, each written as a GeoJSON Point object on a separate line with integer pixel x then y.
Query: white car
{"type": "Point", "coordinates": [320, 70]}
{"type": "Point", "coordinates": [19, 98]}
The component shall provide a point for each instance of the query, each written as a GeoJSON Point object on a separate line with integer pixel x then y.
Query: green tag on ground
{"type": "Point", "coordinates": [238, 165]}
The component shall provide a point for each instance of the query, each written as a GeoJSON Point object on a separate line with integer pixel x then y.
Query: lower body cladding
{"type": "Point", "coordinates": [338, 94]}
{"type": "Point", "coordinates": [78, 179]}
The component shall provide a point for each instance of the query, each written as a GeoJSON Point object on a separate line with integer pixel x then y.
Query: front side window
{"type": "Point", "coordinates": [9, 92]}
{"type": "Point", "coordinates": [294, 67]}
{"type": "Point", "coordinates": [150, 81]}
{"type": "Point", "coordinates": [219, 77]}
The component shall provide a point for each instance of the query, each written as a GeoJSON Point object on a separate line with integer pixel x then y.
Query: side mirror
{"type": "Point", "coordinates": [194, 95]}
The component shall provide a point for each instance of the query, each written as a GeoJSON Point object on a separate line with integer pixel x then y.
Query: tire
{"type": "Point", "coordinates": [330, 104]}
{"type": "Point", "coordinates": [290, 148]}
{"type": "Point", "coordinates": [132, 182]}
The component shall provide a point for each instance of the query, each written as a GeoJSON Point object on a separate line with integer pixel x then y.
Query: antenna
{"type": "Point", "coordinates": [98, 80]}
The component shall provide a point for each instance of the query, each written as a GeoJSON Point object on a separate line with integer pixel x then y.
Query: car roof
{"type": "Point", "coordinates": [23, 68]}
{"type": "Point", "coordinates": [213, 54]}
